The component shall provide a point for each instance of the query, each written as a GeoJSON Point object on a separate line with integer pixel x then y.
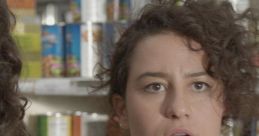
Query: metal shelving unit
{"type": "Point", "coordinates": [62, 86]}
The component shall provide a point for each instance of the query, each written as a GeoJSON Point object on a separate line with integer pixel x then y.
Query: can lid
{"type": "Point", "coordinates": [49, 113]}
{"type": "Point", "coordinates": [58, 114]}
{"type": "Point", "coordinates": [95, 117]}
{"type": "Point", "coordinates": [78, 113]}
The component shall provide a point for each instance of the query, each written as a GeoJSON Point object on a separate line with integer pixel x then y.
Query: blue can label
{"type": "Point", "coordinates": [72, 36]}
{"type": "Point", "coordinates": [52, 50]}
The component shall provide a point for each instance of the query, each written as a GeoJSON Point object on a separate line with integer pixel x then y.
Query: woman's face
{"type": "Point", "coordinates": [168, 92]}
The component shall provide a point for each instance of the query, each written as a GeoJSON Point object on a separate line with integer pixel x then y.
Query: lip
{"type": "Point", "coordinates": [174, 131]}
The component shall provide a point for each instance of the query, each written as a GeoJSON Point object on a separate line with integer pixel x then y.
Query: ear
{"type": "Point", "coordinates": [119, 107]}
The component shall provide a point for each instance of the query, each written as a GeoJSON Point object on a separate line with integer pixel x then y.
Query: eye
{"type": "Point", "coordinates": [155, 88]}
{"type": "Point", "coordinates": [200, 86]}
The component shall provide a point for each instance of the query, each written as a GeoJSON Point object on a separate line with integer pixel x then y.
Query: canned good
{"type": "Point", "coordinates": [228, 128]}
{"type": "Point", "coordinates": [118, 10]}
{"type": "Point", "coordinates": [72, 36]}
{"type": "Point", "coordinates": [75, 9]}
{"type": "Point", "coordinates": [91, 40]}
{"type": "Point", "coordinates": [95, 124]}
{"type": "Point", "coordinates": [67, 124]}
{"type": "Point", "coordinates": [52, 50]}
{"type": "Point", "coordinates": [232, 127]}
{"type": "Point", "coordinates": [93, 10]}
{"type": "Point", "coordinates": [111, 34]}
{"type": "Point", "coordinates": [59, 125]}
{"type": "Point", "coordinates": [238, 128]}
{"type": "Point", "coordinates": [42, 125]}
{"type": "Point", "coordinates": [108, 44]}
{"type": "Point", "coordinates": [84, 116]}
{"type": "Point", "coordinates": [51, 14]}
{"type": "Point", "coordinates": [76, 124]}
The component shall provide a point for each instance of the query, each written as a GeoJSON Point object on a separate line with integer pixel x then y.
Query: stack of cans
{"type": "Point", "coordinates": [78, 48]}
{"type": "Point", "coordinates": [76, 124]}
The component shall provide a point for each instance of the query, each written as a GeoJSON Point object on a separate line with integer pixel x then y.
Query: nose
{"type": "Point", "coordinates": [177, 106]}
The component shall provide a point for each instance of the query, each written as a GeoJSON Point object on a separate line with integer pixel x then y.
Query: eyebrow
{"type": "Point", "coordinates": [196, 74]}
{"type": "Point", "coordinates": [153, 74]}
{"type": "Point", "coordinates": [164, 75]}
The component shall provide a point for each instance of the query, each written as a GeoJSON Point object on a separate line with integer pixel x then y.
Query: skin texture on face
{"type": "Point", "coordinates": [168, 90]}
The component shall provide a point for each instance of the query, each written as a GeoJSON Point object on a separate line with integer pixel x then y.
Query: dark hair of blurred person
{"type": "Point", "coordinates": [12, 104]}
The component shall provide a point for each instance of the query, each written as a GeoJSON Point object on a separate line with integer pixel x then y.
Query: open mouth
{"type": "Point", "coordinates": [180, 134]}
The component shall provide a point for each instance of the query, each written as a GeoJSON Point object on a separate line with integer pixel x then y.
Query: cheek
{"type": "Point", "coordinates": [142, 114]}
{"type": "Point", "coordinates": [208, 116]}
{"type": "Point", "coordinates": [209, 105]}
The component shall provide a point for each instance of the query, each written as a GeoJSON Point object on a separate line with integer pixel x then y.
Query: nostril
{"type": "Point", "coordinates": [173, 115]}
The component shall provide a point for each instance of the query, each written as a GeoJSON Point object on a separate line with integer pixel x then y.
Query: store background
{"type": "Point", "coordinates": [62, 94]}
{"type": "Point", "coordinates": [58, 94]}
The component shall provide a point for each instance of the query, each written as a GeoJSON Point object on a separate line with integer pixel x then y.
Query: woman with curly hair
{"type": "Point", "coordinates": [11, 109]}
{"type": "Point", "coordinates": [180, 69]}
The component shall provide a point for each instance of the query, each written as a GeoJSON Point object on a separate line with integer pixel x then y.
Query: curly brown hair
{"type": "Point", "coordinates": [11, 108]}
{"type": "Point", "coordinates": [228, 45]}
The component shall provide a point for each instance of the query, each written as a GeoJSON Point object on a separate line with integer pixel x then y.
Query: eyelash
{"type": "Point", "coordinates": [149, 87]}
{"type": "Point", "coordinates": [207, 85]}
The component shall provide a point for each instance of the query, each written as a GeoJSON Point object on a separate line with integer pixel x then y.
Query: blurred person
{"type": "Point", "coordinates": [12, 104]}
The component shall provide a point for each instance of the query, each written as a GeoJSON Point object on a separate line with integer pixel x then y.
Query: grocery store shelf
{"type": "Point", "coordinates": [61, 86]}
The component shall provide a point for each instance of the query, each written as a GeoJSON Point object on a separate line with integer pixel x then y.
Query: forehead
{"type": "Point", "coordinates": [165, 50]}
{"type": "Point", "coordinates": [169, 38]}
